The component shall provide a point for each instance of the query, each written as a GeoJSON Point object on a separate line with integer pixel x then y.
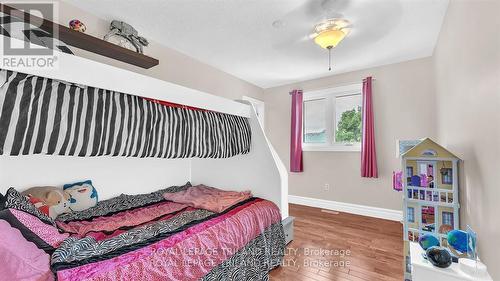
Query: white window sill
{"type": "Point", "coordinates": [339, 148]}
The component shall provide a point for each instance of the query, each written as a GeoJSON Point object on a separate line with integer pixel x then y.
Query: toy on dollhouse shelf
{"type": "Point", "coordinates": [430, 190]}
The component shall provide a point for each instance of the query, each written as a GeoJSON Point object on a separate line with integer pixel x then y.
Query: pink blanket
{"type": "Point", "coordinates": [128, 219]}
{"type": "Point", "coordinates": [189, 254]}
{"type": "Point", "coordinates": [208, 198]}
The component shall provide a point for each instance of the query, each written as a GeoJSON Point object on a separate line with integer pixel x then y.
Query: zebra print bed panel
{"type": "Point", "coordinates": [255, 260]}
{"type": "Point", "coordinates": [44, 116]}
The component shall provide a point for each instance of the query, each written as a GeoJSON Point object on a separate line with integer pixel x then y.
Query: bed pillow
{"type": "Point", "coordinates": [120, 203]}
{"type": "Point", "coordinates": [15, 200]}
{"type": "Point", "coordinates": [21, 260]}
{"type": "Point", "coordinates": [83, 195]}
{"type": "Point", "coordinates": [45, 237]}
{"type": "Point", "coordinates": [50, 200]}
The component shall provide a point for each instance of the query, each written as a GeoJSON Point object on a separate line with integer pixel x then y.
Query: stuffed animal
{"type": "Point", "coordinates": [49, 200]}
{"type": "Point", "coordinates": [83, 195]}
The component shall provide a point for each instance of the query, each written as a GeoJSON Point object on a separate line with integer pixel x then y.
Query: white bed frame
{"type": "Point", "coordinates": [260, 171]}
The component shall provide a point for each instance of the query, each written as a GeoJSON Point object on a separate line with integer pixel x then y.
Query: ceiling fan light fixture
{"type": "Point", "coordinates": [330, 38]}
{"type": "Point", "coordinates": [329, 33]}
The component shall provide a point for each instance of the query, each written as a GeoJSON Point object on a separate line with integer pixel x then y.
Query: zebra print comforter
{"type": "Point", "coordinates": [45, 116]}
{"type": "Point", "coordinates": [164, 240]}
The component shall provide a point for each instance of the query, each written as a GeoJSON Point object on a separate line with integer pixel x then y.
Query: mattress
{"type": "Point", "coordinates": [146, 237]}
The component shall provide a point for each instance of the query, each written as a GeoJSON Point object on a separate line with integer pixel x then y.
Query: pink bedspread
{"type": "Point", "coordinates": [208, 198]}
{"type": "Point", "coordinates": [186, 255]}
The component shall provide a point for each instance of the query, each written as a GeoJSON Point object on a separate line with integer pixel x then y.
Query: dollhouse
{"type": "Point", "coordinates": [430, 191]}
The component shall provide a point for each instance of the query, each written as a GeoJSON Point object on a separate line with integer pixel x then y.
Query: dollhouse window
{"type": "Point", "coordinates": [411, 214]}
{"type": "Point", "coordinates": [409, 174]}
{"type": "Point", "coordinates": [447, 176]}
{"type": "Point", "coordinates": [332, 119]}
{"type": "Point", "coordinates": [409, 171]}
{"type": "Point", "coordinates": [429, 152]}
{"type": "Point", "coordinates": [426, 168]}
{"type": "Point", "coordinates": [448, 218]}
{"type": "Point", "coordinates": [428, 218]}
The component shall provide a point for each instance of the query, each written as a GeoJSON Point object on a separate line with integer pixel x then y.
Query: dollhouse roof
{"type": "Point", "coordinates": [429, 148]}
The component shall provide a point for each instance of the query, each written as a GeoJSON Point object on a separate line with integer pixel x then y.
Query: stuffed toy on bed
{"type": "Point", "coordinates": [50, 200]}
{"type": "Point", "coordinates": [83, 195]}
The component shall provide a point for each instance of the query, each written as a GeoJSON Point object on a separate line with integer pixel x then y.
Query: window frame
{"type": "Point", "coordinates": [330, 96]}
{"type": "Point", "coordinates": [451, 217]}
{"type": "Point", "coordinates": [448, 178]}
{"type": "Point", "coordinates": [412, 220]}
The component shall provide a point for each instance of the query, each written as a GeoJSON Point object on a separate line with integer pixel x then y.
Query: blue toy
{"type": "Point", "coordinates": [457, 239]}
{"type": "Point", "coordinates": [428, 240]}
{"type": "Point", "coordinates": [415, 180]}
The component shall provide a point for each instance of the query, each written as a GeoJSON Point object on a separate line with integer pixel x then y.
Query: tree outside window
{"type": "Point", "coordinates": [349, 126]}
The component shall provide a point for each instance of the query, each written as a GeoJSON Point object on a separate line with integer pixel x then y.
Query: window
{"type": "Point", "coordinates": [314, 121]}
{"type": "Point", "coordinates": [410, 214]}
{"type": "Point", "coordinates": [446, 176]}
{"type": "Point", "coordinates": [332, 119]}
{"type": "Point", "coordinates": [426, 168]}
{"type": "Point", "coordinates": [348, 118]}
{"type": "Point", "coordinates": [448, 219]}
{"type": "Point", "coordinates": [409, 174]}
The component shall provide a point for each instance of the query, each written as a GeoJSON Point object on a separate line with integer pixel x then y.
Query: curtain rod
{"type": "Point", "coordinates": [335, 85]}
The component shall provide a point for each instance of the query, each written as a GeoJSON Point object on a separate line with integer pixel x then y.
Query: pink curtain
{"type": "Point", "coordinates": [296, 132]}
{"type": "Point", "coordinates": [368, 153]}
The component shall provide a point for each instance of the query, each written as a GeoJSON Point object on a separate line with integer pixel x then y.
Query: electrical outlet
{"type": "Point", "coordinates": [327, 187]}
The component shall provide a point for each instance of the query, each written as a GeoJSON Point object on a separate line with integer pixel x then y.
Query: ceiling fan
{"type": "Point", "coordinates": [328, 34]}
{"type": "Point", "coordinates": [324, 18]}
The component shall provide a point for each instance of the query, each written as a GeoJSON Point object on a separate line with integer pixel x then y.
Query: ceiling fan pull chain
{"type": "Point", "coordinates": [330, 59]}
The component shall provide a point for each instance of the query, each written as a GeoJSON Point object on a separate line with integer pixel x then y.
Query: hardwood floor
{"type": "Point", "coordinates": [372, 248]}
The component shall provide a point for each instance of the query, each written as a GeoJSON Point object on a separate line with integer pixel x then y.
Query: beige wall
{"type": "Point", "coordinates": [404, 109]}
{"type": "Point", "coordinates": [174, 66]}
{"type": "Point", "coordinates": [467, 67]}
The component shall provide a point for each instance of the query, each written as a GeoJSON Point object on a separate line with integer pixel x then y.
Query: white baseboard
{"type": "Point", "coordinates": [363, 210]}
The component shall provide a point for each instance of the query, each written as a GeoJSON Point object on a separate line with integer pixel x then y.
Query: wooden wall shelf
{"type": "Point", "coordinates": [84, 41]}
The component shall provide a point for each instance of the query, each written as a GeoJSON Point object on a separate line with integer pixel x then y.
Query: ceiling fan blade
{"type": "Point", "coordinates": [307, 13]}
{"type": "Point", "coordinates": [312, 12]}
{"type": "Point", "coordinates": [334, 6]}
{"type": "Point", "coordinates": [291, 41]}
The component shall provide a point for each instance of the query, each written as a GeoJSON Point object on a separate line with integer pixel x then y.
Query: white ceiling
{"type": "Point", "coordinates": [238, 36]}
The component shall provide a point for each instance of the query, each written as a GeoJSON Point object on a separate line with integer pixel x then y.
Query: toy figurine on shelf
{"type": "Point", "coordinates": [77, 25]}
{"type": "Point", "coordinates": [124, 35]}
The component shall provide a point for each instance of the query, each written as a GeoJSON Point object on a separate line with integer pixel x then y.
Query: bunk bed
{"type": "Point", "coordinates": [151, 243]}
